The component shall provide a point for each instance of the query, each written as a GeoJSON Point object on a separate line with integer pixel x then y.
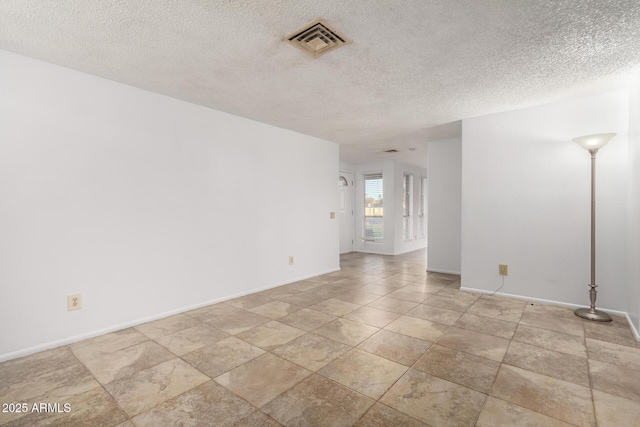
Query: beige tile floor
{"type": "Point", "coordinates": [379, 343]}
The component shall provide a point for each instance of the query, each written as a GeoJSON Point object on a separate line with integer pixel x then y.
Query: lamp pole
{"type": "Point", "coordinates": [593, 143]}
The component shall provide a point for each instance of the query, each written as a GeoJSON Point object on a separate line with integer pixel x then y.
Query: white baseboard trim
{"type": "Point", "coordinates": [371, 252]}
{"type": "Point", "coordinates": [636, 335]}
{"type": "Point", "coordinates": [75, 338]}
{"type": "Point", "coordinates": [437, 270]}
{"type": "Point", "coordinates": [544, 301]}
{"type": "Point", "coordinates": [406, 251]}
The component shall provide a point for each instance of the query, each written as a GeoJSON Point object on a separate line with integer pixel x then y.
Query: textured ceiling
{"type": "Point", "coordinates": [414, 69]}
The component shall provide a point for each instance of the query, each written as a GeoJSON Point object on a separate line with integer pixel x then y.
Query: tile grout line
{"type": "Point", "coordinates": [102, 386]}
{"type": "Point", "coordinates": [493, 383]}
{"type": "Point", "coordinates": [586, 349]}
{"type": "Point", "coordinates": [502, 363]}
{"type": "Point", "coordinates": [352, 348]}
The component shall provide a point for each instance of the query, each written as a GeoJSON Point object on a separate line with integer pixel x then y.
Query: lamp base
{"type": "Point", "coordinates": [593, 314]}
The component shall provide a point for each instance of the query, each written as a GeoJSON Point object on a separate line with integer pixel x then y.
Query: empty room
{"type": "Point", "coordinates": [297, 213]}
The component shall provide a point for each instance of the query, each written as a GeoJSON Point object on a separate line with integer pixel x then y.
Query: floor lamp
{"type": "Point", "coordinates": [593, 143]}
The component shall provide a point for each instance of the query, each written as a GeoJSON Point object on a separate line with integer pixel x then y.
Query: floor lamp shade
{"type": "Point", "coordinates": [593, 143]}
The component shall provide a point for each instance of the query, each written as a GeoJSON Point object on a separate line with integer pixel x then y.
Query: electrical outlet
{"type": "Point", "coordinates": [74, 302]}
{"type": "Point", "coordinates": [290, 260]}
{"type": "Point", "coordinates": [503, 269]}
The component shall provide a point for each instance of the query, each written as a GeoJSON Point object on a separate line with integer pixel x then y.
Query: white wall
{"type": "Point", "coordinates": [416, 242]}
{"type": "Point", "coordinates": [633, 253]}
{"type": "Point", "coordinates": [344, 166]}
{"type": "Point", "coordinates": [444, 207]}
{"type": "Point", "coordinates": [144, 204]}
{"type": "Point", "coordinates": [526, 201]}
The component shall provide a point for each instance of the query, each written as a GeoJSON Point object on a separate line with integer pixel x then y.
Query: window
{"type": "Point", "coordinates": [373, 208]}
{"type": "Point", "coordinates": [422, 217]}
{"type": "Point", "coordinates": [407, 206]}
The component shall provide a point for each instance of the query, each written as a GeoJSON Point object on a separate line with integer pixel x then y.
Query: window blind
{"type": "Point", "coordinates": [373, 207]}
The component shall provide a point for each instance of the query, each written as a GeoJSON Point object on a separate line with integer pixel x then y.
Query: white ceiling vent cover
{"type": "Point", "coordinates": [316, 38]}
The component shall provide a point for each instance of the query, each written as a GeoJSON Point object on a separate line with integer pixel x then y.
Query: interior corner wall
{"type": "Point", "coordinates": [386, 246]}
{"type": "Point", "coordinates": [400, 245]}
{"type": "Point", "coordinates": [444, 186]}
{"type": "Point", "coordinates": [526, 202]}
{"type": "Point", "coordinates": [144, 204]}
{"type": "Point", "coordinates": [344, 166]}
{"type": "Point", "coordinates": [633, 253]}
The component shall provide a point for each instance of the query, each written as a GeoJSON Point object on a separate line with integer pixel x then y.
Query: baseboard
{"type": "Point", "coordinates": [120, 326]}
{"type": "Point", "coordinates": [286, 282]}
{"type": "Point", "coordinates": [406, 251]}
{"type": "Point", "coordinates": [633, 328]}
{"type": "Point", "coordinates": [543, 301]}
{"type": "Point", "coordinates": [437, 270]}
{"type": "Point", "coordinates": [372, 252]}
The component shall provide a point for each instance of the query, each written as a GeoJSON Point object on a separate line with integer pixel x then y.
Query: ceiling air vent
{"type": "Point", "coordinates": [316, 38]}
